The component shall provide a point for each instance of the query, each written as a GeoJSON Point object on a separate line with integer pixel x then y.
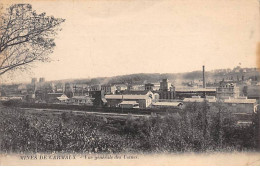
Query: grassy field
{"type": "Point", "coordinates": [194, 129]}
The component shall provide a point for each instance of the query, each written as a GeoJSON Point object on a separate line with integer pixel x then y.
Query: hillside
{"type": "Point", "coordinates": [141, 78]}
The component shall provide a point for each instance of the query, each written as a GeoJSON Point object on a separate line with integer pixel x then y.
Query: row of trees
{"type": "Point", "coordinates": [197, 128]}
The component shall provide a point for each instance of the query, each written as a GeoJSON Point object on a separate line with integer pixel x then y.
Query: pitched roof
{"type": "Point", "coordinates": [62, 98]}
{"type": "Point", "coordinates": [108, 85]}
{"type": "Point", "coordinates": [141, 92]}
{"type": "Point", "coordinates": [129, 102]}
{"type": "Point", "coordinates": [240, 101]}
{"type": "Point", "coordinates": [193, 100]}
{"type": "Point", "coordinates": [133, 97]}
{"type": "Point", "coordinates": [80, 97]}
{"type": "Point", "coordinates": [54, 95]}
{"type": "Point", "coordinates": [198, 100]}
{"type": "Point", "coordinates": [169, 104]}
{"type": "Point", "coordinates": [195, 89]}
{"type": "Point", "coordinates": [103, 100]}
{"type": "Point", "coordinates": [121, 85]}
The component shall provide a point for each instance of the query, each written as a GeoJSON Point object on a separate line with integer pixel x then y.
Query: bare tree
{"type": "Point", "coordinates": [25, 37]}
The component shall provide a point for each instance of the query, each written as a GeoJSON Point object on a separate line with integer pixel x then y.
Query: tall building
{"type": "Point", "coordinates": [165, 85]}
{"type": "Point", "coordinates": [166, 90]}
{"type": "Point", "coordinates": [69, 90]}
{"type": "Point", "coordinates": [34, 81]}
{"type": "Point", "coordinates": [226, 90]}
{"type": "Point", "coordinates": [42, 80]}
{"type": "Point", "coordinates": [108, 89]}
{"type": "Point", "coordinates": [98, 98]}
{"type": "Point", "coordinates": [33, 86]}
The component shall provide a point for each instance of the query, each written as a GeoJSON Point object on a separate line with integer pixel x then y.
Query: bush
{"type": "Point", "coordinates": [195, 128]}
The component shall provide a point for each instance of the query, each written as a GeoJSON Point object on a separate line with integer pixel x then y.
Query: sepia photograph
{"type": "Point", "coordinates": [129, 83]}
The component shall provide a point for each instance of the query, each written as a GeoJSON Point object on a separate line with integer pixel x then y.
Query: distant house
{"type": "Point", "coordinates": [14, 98]}
{"type": "Point", "coordinates": [86, 100]}
{"type": "Point", "coordinates": [149, 86]}
{"type": "Point", "coordinates": [56, 97]}
{"type": "Point", "coordinates": [63, 98]}
{"type": "Point", "coordinates": [77, 89]}
{"type": "Point", "coordinates": [108, 89]}
{"type": "Point", "coordinates": [136, 87]}
{"type": "Point", "coordinates": [3, 98]}
{"type": "Point", "coordinates": [22, 89]}
{"type": "Point", "coordinates": [59, 87]}
{"type": "Point", "coordinates": [156, 87]}
{"type": "Point", "coordinates": [12, 90]}
{"type": "Point", "coordinates": [95, 87]}
{"type": "Point", "coordinates": [121, 87]}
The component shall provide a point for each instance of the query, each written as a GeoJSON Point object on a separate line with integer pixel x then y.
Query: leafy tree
{"type": "Point", "coordinates": [25, 37]}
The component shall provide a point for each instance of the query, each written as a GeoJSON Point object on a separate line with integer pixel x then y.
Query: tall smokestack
{"type": "Point", "coordinates": [203, 74]}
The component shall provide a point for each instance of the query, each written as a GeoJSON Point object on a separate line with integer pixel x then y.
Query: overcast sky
{"type": "Point", "coordinates": [108, 38]}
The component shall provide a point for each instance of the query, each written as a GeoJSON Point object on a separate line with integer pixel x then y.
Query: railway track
{"type": "Point", "coordinates": [77, 112]}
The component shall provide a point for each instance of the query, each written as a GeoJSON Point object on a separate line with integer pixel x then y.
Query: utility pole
{"type": "Point", "coordinates": [203, 74]}
{"type": "Point", "coordinates": [121, 104]}
{"type": "Point", "coordinates": [204, 80]}
{"type": "Point", "coordinates": [258, 111]}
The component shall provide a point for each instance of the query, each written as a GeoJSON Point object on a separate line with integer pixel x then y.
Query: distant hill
{"type": "Point", "coordinates": [141, 78]}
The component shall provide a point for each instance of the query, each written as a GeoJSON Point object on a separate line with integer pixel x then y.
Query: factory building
{"type": "Point", "coordinates": [108, 89]}
{"type": "Point", "coordinates": [227, 90]}
{"type": "Point", "coordinates": [235, 105]}
{"type": "Point", "coordinates": [189, 92]}
{"type": "Point", "coordinates": [166, 91]}
{"type": "Point", "coordinates": [143, 101]}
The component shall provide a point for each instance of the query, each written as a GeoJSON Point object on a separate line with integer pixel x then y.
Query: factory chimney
{"type": "Point", "coordinates": [203, 74]}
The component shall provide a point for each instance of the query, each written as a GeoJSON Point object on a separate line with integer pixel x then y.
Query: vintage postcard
{"type": "Point", "coordinates": [129, 82]}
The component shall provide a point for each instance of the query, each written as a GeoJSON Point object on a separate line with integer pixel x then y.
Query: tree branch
{"type": "Point", "coordinates": [25, 36]}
